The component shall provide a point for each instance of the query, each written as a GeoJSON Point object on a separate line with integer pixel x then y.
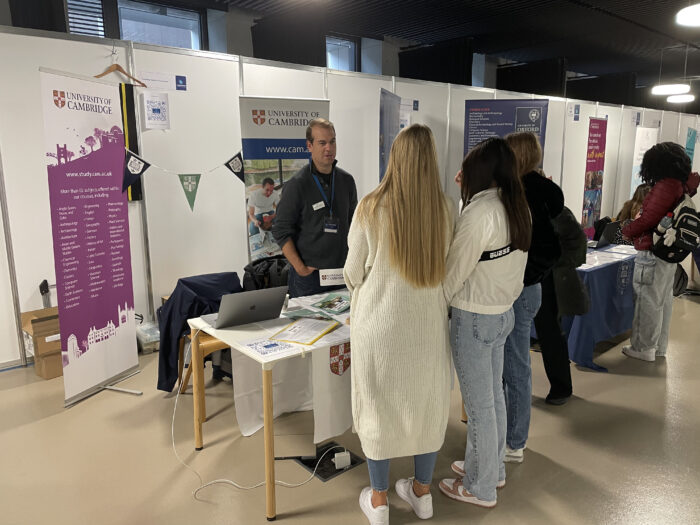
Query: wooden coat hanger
{"type": "Point", "coordinates": [119, 69]}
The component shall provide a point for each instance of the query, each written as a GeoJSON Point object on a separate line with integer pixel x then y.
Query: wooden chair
{"type": "Point", "coordinates": [207, 346]}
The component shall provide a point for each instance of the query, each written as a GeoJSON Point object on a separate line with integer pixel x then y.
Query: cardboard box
{"type": "Point", "coordinates": [41, 326]}
{"type": "Point", "coordinates": [49, 366]}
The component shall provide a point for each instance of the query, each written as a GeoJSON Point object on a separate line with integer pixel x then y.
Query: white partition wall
{"type": "Point", "coordinates": [575, 148]}
{"type": "Point", "coordinates": [554, 138]}
{"type": "Point", "coordinates": [205, 133]}
{"type": "Point", "coordinates": [623, 179]}
{"type": "Point", "coordinates": [670, 124]}
{"type": "Point", "coordinates": [355, 113]}
{"type": "Point", "coordinates": [432, 100]}
{"type": "Point", "coordinates": [267, 79]}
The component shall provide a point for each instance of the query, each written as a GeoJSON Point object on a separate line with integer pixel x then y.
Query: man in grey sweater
{"type": "Point", "coordinates": [314, 215]}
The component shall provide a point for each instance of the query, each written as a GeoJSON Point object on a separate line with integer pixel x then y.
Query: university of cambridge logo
{"type": "Point", "coordinates": [340, 358]}
{"type": "Point", "coordinates": [59, 98]}
{"type": "Point", "coordinates": [259, 116]}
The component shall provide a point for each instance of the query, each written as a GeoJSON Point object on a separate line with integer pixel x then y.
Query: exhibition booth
{"type": "Point", "coordinates": [189, 137]}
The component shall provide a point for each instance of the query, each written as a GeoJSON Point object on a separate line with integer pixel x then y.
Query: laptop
{"type": "Point", "coordinates": [607, 237]}
{"type": "Point", "coordinates": [248, 307]}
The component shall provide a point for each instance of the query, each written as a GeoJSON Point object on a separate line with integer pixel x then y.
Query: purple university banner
{"type": "Point", "coordinates": [85, 161]}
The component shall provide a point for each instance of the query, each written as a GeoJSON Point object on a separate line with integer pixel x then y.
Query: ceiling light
{"type": "Point", "coordinates": [670, 89]}
{"type": "Point", "coordinates": [689, 16]}
{"type": "Point", "coordinates": [680, 99]}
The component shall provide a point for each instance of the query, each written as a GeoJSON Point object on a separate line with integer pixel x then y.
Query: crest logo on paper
{"type": "Point", "coordinates": [534, 115]}
{"type": "Point", "coordinates": [135, 165]}
{"type": "Point", "coordinates": [236, 165]}
{"type": "Point", "coordinates": [259, 116]}
{"type": "Point", "coordinates": [340, 358]}
{"type": "Point", "coordinates": [59, 98]}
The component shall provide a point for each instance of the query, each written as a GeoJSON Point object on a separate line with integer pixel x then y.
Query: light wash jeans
{"type": "Point", "coordinates": [477, 350]}
{"type": "Point", "coordinates": [517, 373]}
{"type": "Point", "coordinates": [652, 285]}
{"type": "Point", "coordinates": [424, 465]}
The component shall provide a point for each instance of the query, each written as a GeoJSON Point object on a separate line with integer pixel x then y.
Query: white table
{"type": "Point", "coordinates": [236, 338]}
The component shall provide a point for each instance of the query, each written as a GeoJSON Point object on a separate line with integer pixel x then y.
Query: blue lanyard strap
{"type": "Point", "coordinates": [323, 193]}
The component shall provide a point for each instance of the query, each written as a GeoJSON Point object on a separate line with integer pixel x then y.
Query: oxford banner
{"type": "Point", "coordinates": [84, 147]}
{"type": "Point", "coordinates": [273, 132]}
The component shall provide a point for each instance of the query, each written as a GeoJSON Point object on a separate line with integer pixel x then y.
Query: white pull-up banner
{"type": "Point", "coordinates": [84, 146]}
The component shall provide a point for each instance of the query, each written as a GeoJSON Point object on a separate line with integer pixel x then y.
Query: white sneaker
{"type": "Point", "coordinates": [375, 515]}
{"type": "Point", "coordinates": [458, 468]}
{"type": "Point", "coordinates": [646, 355]}
{"type": "Point", "coordinates": [514, 455]}
{"type": "Point", "coordinates": [423, 506]}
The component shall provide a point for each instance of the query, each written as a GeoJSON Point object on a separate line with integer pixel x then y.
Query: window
{"type": "Point", "coordinates": [341, 54]}
{"type": "Point", "coordinates": [85, 17]}
{"type": "Point", "coordinates": [161, 25]}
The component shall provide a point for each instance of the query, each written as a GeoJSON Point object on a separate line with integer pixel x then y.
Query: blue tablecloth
{"type": "Point", "coordinates": [608, 276]}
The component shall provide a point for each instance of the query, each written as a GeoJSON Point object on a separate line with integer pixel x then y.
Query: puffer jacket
{"type": "Point", "coordinates": [663, 198]}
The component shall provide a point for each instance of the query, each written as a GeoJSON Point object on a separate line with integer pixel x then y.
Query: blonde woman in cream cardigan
{"type": "Point", "coordinates": [398, 244]}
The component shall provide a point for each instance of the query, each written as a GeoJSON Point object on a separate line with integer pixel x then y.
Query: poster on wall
{"type": "Point", "coordinates": [497, 118]}
{"type": "Point", "coordinates": [273, 131]}
{"type": "Point", "coordinates": [644, 139]}
{"type": "Point", "coordinates": [595, 166]}
{"type": "Point", "coordinates": [691, 138]}
{"type": "Point", "coordinates": [389, 126]}
{"type": "Point", "coordinates": [84, 145]}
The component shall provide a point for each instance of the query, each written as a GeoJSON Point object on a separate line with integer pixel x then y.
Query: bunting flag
{"type": "Point", "coordinates": [190, 183]}
{"type": "Point", "coordinates": [235, 164]}
{"type": "Point", "coordinates": [134, 167]}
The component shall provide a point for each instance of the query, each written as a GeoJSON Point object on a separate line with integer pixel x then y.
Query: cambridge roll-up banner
{"type": "Point", "coordinates": [84, 144]}
{"type": "Point", "coordinates": [274, 149]}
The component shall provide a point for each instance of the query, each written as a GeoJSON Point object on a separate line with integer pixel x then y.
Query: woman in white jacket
{"type": "Point", "coordinates": [400, 369]}
{"type": "Point", "coordinates": [485, 268]}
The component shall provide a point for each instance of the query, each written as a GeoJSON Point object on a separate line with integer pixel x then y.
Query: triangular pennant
{"type": "Point", "coordinates": [235, 164]}
{"type": "Point", "coordinates": [190, 183]}
{"type": "Point", "coordinates": [134, 167]}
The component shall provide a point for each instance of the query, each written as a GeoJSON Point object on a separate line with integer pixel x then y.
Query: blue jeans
{"type": "Point", "coordinates": [517, 373]}
{"type": "Point", "coordinates": [477, 350]}
{"type": "Point", "coordinates": [424, 464]}
{"type": "Point", "coordinates": [252, 228]}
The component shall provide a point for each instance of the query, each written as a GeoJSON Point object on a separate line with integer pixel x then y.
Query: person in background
{"type": "Point", "coordinates": [630, 210]}
{"type": "Point", "coordinates": [545, 200]}
{"type": "Point", "coordinates": [485, 268]}
{"type": "Point", "coordinates": [314, 214]}
{"type": "Point", "coordinates": [666, 169]}
{"type": "Point", "coordinates": [563, 293]}
{"type": "Point", "coordinates": [261, 206]}
{"type": "Point", "coordinates": [401, 372]}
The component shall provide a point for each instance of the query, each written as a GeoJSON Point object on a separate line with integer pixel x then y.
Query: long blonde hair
{"type": "Point", "coordinates": [527, 149]}
{"type": "Point", "coordinates": [416, 208]}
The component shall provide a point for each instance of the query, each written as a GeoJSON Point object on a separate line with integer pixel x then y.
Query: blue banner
{"type": "Point", "coordinates": [275, 149]}
{"type": "Point", "coordinates": [690, 143]}
{"type": "Point", "coordinates": [497, 118]}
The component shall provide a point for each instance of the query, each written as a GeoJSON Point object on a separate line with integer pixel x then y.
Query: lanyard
{"type": "Point", "coordinates": [320, 188]}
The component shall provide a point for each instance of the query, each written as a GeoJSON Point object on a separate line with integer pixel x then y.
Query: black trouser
{"type": "Point", "coordinates": [555, 351]}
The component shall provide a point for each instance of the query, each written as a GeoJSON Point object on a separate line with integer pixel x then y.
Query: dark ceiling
{"type": "Point", "coordinates": [596, 37]}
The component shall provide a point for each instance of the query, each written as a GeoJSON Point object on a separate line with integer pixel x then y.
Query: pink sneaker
{"type": "Point", "coordinates": [453, 488]}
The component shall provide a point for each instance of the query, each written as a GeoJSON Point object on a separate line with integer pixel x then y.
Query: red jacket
{"type": "Point", "coordinates": [663, 198]}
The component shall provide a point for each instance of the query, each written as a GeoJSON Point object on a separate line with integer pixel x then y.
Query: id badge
{"type": "Point", "coordinates": [330, 225]}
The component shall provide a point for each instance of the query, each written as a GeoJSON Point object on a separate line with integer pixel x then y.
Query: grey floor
{"type": "Point", "coordinates": [625, 450]}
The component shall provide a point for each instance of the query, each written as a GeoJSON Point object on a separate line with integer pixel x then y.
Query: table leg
{"type": "Point", "coordinates": [197, 364]}
{"type": "Point", "coordinates": [269, 435]}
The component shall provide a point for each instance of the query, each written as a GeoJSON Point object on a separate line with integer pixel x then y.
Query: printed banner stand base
{"type": "Point", "coordinates": [106, 385]}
